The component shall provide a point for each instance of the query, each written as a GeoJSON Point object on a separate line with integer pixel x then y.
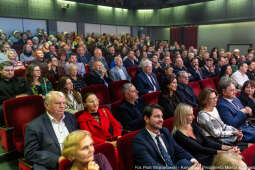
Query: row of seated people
{"type": "Point", "coordinates": [93, 104]}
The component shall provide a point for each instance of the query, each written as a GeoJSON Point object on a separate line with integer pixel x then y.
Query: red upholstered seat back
{"type": "Point", "coordinates": [109, 152]}
{"type": "Point", "coordinates": [124, 145]}
{"type": "Point", "coordinates": [132, 71]}
{"type": "Point", "coordinates": [20, 111]}
{"type": "Point", "coordinates": [64, 164]}
{"type": "Point", "coordinates": [114, 107]}
{"type": "Point", "coordinates": [20, 73]}
{"type": "Point", "coordinates": [115, 89]}
{"type": "Point", "coordinates": [208, 83]}
{"type": "Point", "coordinates": [196, 87]}
{"type": "Point", "coordinates": [101, 92]}
{"type": "Point", "coordinates": [248, 155]}
{"type": "Point", "coordinates": [169, 124]}
{"type": "Point", "coordinates": [151, 98]}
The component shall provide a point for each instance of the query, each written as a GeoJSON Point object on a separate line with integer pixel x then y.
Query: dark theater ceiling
{"type": "Point", "coordinates": [140, 4]}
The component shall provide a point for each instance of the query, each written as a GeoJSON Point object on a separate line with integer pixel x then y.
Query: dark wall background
{"type": "Point", "coordinates": [211, 12]}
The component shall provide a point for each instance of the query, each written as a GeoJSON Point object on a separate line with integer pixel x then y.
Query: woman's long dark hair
{"type": "Point", "coordinates": [61, 87]}
{"type": "Point", "coordinates": [223, 70]}
{"type": "Point", "coordinates": [164, 87]}
{"type": "Point", "coordinates": [29, 73]}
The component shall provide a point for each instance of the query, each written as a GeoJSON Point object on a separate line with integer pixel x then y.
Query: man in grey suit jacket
{"type": "Point", "coordinates": [44, 135]}
{"type": "Point", "coordinates": [119, 72]}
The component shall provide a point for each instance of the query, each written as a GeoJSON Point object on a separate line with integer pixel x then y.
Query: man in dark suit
{"type": "Point", "coordinates": [154, 147]}
{"type": "Point", "coordinates": [98, 75]}
{"type": "Point", "coordinates": [233, 113]}
{"type": "Point", "coordinates": [130, 111]}
{"type": "Point", "coordinates": [195, 71]}
{"type": "Point", "coordinates": [44, 135]}
{"type": "Point", "coordinates": [131, 60]}
{"type": "Point", "coordinates": [146, 80]}
{"type": "Point", "coordinates": [208, 69]}
{"type": "Point", "coordinates": [185, 90]}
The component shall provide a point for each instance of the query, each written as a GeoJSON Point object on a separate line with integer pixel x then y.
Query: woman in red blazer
{"type": "Point", "coordinates": [99, 122]}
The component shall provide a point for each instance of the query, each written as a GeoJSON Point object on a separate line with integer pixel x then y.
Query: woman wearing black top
{"type": "Point", "coordinates": [169, 98]}
{"type": "Point", "coordinates": [188, 135]}
{"type": "Point", "coordinates": [247, 95]}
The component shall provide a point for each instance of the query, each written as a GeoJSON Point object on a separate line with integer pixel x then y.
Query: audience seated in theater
{"type": "Point", "coordinates": [130, 111]}
{"type": "Point", "coordinates": [99, 121]}
{"type": "Point", "coordinates": [110, 54]}
{"type": "Point", "coordinates": [189, 136]}
{"type": "Point", "coordinates": [39, 60]}
{"type": "Point", "coordinates": [228, 160]}
{"type": "Point", "coordinates": [11, 86]}
{"type": "Point", "coordinates": [185, 89]}
{"type": "Point", "coordinates": [187, 60]}
{"type": "Point", "coordinates": [131, 60]}
{"type": "Point", "coordinates": [156, 67]}
{"type": "Point", "coordinates": [167, 71]}
{"type": "Point", "coordinates": [77, 81]}
{"type": "Point", "coordinates": [26, 56]}
{"type": "Point", "coordinates": [195, 71]}
{"type": "Point", "coordinates": [247, 95]}
{"type": "Point", "coordinates": [4, 47]}
{"type": "Point", "coordinates": [73, 61]}
{"type": "Point", "coordinates": [233, 113]}
{"type": "Point", "coordinates": [118, 72]}
{"type": "Point", "coordinates": [45, 135]}
{"type": "Point", "coordinates": [166, 62]}
{"type": "Point", "coordinates": [12, 56]}
{"type": "Point", "coordinates": [146, 80]}
{"type": "Point", "coordinates": [208, 69]}
{"type": "Point", "coordinates": [225, 75]}
{"type": "Point", "coordinates": [73, 98]}
{"type": "Point", "coordinates": [38, 84]}
{"type": "Point", "coordinates": [98, 75]}
{"type": "Point", "coordinates": [178, 65]}
{"type": "Point", "coordinates": [210, 121]}
{"type": "Point", "coordinates": [220, 63]}
{"type": "Point", "coordinates": [54, 72]}
{"type": "Point", "coordinates": [98, 57]}
{"type": "Point", "coordinates": [169, 97]}
{"type": "Point", "coordinates": [62, 59]}
{"type": "Point", "coordinates": [154, 146]}
{"type": "Point", "coordinates": [240, 75]}
{"type": "Point", "coordinates": [78, 148]}
{"type": "Point", "coordinates": [233, 63]}
{"type": "Point", "coordinates": [83, 55]}
{"type": "Point", "coordinates": [251, 70]}
{"type": "Point", "coordinates": [204, 57]}
{"type": "Point", "coordinates": [46, 51]}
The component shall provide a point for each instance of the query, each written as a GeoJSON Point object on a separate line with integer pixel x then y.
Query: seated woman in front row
{"type": "Point", "coordinates": [188, 135]}
{"type": "Point", "coordinates": [79, 149]}
{"type": "Point", "coordinates": [99, 121]}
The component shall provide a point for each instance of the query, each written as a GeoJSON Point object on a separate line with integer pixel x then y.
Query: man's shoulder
{"type": "Point", "coordinates": [39, 121]}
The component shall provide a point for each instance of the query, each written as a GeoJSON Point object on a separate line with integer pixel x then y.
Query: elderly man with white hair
{"type": "Point", "coordinates": [118, 72]}
{"type": "Point", "coordinates": [44, 135]}
{"type": "Point", "coordinates": [146, 81]}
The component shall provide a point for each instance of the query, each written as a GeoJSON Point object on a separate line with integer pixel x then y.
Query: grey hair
{"type": "Point", "coordinates": [115, 58]}
{"type": "Point", "coordinates": [143, 63]}
{"type": "Point", "coordinates": [180, 73]}
{"type": "Point", "coordinates": [125, 87]}
{"type": "Point", "coordinates": [51, 94]}
{"type": "Point", "coordinates": [225, 84]}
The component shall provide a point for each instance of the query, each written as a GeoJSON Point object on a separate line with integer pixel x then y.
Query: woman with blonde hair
{"type": "Point", "coordinates": [188, 135]}
{"type": "Point", "coordinates": [78, 147]}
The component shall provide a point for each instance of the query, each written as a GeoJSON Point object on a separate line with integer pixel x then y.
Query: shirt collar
{"type": "Point", "coordinates": [52, 119]}
{"type": "Point", "coordinates": [153, 135]}
{"type": "Point", "coordinates": [229, 100]}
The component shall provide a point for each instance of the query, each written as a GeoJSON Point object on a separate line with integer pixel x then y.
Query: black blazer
{"type": "Point", "coordinates": [201, 148]}
{"type": "Point", "coordinates": [129, 63]}
{"type": "Point", "coordinates": [246, 101]}
{"type": "Point", "coordinates": [146, 153]}
{"type": "Point", "coordinates": [94, 78]}
{"type": "Point", "coordinates": [41, 145]}
{"type": "Point", "coordinates": [131, 116]}
{"type": "Point", "coordinates": [187, 94]}
{"type": "Point", "coordinates": [169, 103]}
{"type": "Point", "coordinates": [194, 75]}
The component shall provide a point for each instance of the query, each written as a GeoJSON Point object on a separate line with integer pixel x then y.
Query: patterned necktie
{"type": "Point", "coordinates": [164, 154]}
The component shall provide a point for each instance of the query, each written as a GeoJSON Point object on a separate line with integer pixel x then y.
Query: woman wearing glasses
{"type": "Point", "coordinates": [99, 121]}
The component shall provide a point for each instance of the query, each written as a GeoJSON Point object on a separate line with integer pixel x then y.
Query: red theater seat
{"type": "Point", "coordinates": [124, 145]}
{"type": "Point", "coordinates": [20, 73]}
{"type": "Point", "coordinates": [101, 92]}
{"type": "Point", "coordinates": [114, 108]}
{"type": "Point", "coordinates": [151, 98]}
{"type": "Point", "coordinates": [169, 124]}
{"type": "Point", "coordinates": [132, 71]}
{"type": "Point", "coordinates": [20, 111]}
{"type": "Point", "coordinates": [248, 155]}
{"type": "Point", "coordinates": [115, 89]}
{"type": "Point", "coordinates": [208, 83]}
{"type": "Point", "coordinates": [196, 87]}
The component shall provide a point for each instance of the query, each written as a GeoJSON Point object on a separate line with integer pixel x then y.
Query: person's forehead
{"type": "Point", "coordinates": [156, 111]}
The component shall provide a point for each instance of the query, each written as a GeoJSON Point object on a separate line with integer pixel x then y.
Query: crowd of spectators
{"type": "Point", "coordinates": [68, 62]}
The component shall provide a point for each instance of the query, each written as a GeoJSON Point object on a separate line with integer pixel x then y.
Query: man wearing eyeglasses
{"type": "Point", "coordinates": [11, 86]}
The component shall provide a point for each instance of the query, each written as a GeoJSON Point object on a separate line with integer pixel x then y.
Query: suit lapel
{"type": "Point", "coordinates": [68, 124]}
{"type": "Point", "coordinates": [50, 129]}
{"type": "Point", "coordinates": [148, 81]}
